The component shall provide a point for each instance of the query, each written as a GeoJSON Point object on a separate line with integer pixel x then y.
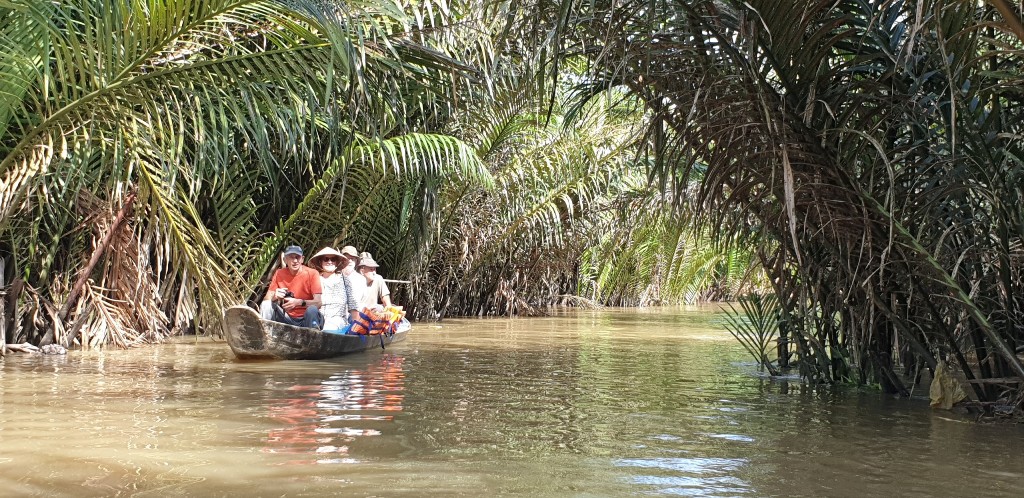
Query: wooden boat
{"type": "Point", "coordinates": [251, 337]}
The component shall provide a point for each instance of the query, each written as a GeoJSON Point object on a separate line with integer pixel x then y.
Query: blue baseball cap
{"type": "Point", "coordinates": [293, 250]}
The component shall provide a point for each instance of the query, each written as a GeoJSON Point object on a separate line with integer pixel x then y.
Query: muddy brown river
{"type": "Point", "coordinates": [601, 403]}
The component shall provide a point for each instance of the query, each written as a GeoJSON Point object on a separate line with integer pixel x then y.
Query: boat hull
{"type": "Point", "coordinates": [252, 338]}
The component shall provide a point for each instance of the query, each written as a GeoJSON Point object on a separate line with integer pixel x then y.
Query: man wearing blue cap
{"type": "Point", "coordinates": [294, 293]}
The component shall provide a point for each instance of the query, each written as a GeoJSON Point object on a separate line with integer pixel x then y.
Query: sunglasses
{"type": "Point", "coordinates": [330, 260]}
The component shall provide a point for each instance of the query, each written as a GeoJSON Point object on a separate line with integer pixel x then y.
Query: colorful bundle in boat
{"type": "Point", "coordinates": [375, 320]}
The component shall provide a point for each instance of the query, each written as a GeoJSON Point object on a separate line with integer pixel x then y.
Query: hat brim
{"type": "Point", "coordinates": [368, 263]}
{"type": "Point", "coordinates": [327, 251]}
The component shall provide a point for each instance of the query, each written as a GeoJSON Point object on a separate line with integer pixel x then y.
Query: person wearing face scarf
{"type": "Point", "coordinates": [337, 302]}
{"type": "Point", "coordinates": [377, 291]}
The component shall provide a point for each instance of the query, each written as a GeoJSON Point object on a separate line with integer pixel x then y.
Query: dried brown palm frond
{"type": "Point", "coordinates": [108, 320]}
{"type": "Point", "coordinates": [31, 311]}
{"type": "Point", "coordinates": [119, 303]}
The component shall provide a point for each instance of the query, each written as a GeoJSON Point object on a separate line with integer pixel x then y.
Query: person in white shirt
{"type": "Point", "coordinates": [377, 291]}
{"type": "Point", "coordinates": [357, 281]}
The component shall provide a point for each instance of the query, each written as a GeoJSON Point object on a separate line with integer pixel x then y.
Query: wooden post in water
{"type": "Point", "coordinates": [3, 307]}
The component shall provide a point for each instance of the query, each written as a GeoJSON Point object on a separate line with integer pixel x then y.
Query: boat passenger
{"type": "Point", "coordinates": [337, 303]}
{"type": "Point", "coordinates": [356, 280]}
{"type": "Point", "coordinates": [294, 293]}
{"type": "Point", "coordinates": [377, 291]}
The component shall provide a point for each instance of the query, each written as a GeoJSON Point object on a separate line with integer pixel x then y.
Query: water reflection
{"type": "Point", "coordinates": [690, 476]}
{"type": "Point", "coordinates": [319, 422]}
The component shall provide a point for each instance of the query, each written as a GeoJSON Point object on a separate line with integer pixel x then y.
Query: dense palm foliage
{"type": "Point", "coordinates": [176, 145]}
{"type": "Point", "coordinates": [652, 251]}
{"type": "Point", "coordinates": [875, 145]}
{"type": "Point", "coordinates": [157, 155]}
{"type": "Point", "coordinates": [516, 247]}
{"type": "Point", "coordinates": [508, 155]}
{"type": "Point", "coordinates": [571, 220]}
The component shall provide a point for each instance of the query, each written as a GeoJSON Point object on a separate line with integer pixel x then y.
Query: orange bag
{"type": "Point", "coordinates": [371, 321]}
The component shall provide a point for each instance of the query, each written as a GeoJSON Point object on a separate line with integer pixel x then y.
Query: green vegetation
{"type": "Point", "coordinates": [861, 159]}
{"type": "Point", "coordinates": [871, 148]}
{"type": "Point", "coordinates": [757, 328]}
{"type": "Point", "coordinates": [222, 129]}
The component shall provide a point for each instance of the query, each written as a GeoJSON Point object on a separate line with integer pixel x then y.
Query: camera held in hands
{"type": "Point", "coordinates": [288, 293]}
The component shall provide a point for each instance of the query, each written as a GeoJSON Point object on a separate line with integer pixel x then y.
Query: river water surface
{"type": "Point", "coordinates": [604, 403]}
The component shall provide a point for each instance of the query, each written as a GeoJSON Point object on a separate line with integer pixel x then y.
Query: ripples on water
{"type": "Point", "coordinates": [591, 404]}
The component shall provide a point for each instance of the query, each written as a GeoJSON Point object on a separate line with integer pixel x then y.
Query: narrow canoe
{"type": "Point", "coordinates": [251, 337]}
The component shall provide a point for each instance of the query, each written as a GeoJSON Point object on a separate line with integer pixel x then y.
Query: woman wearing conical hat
{"type": "Point", "coordinates": [338, 303]}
